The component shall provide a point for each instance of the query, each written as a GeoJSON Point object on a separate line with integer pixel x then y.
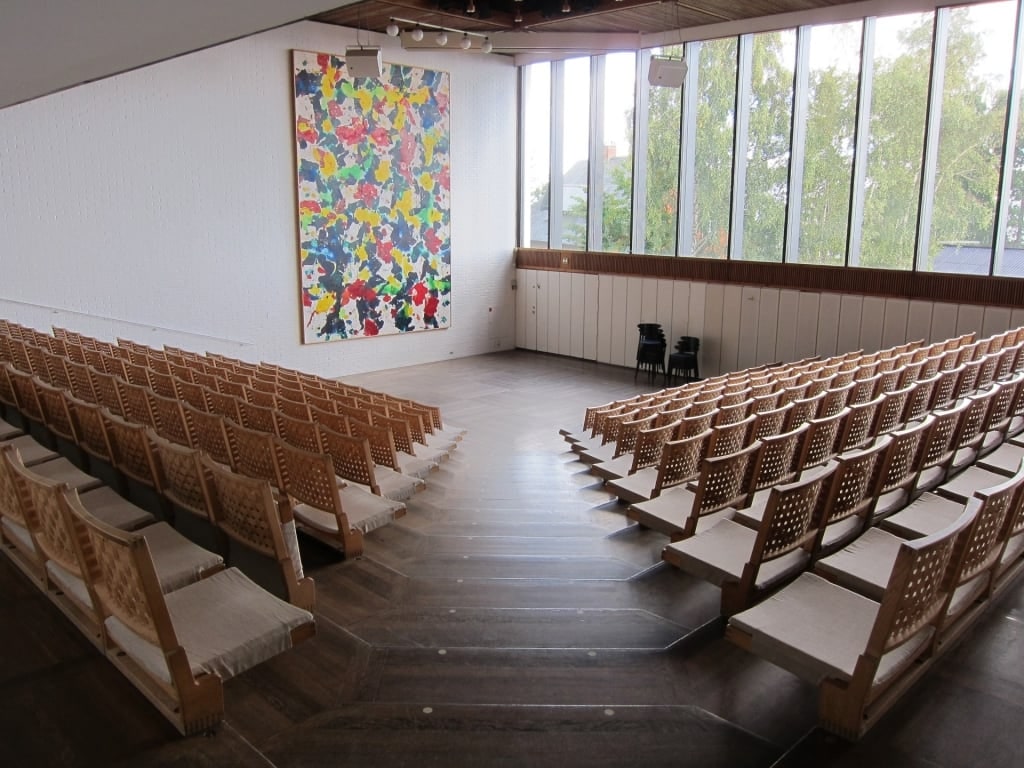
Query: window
{"type": "Point", "coordinates": [536, 160]}
{"type": "Point", "coordinates": [574, 102]}
{"type": "Point", "coordinates": [615, 157]}
{"type": "Point", "coordinates": [662, 198]}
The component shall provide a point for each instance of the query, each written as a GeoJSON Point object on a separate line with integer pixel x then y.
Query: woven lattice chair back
{"type": "Point", "coordinates": [191, 393]}
{"type": "Point", "coordinates": [181, 476]}
{"type": "Point", "coordinates": [302, 433]}
{"type": "Point", "coordinates": [380, 438]}
{"type": "Point", "coordinates": [55, 411]}
{"type": "Point", "coordinates": [998, 416]}
{"type": "Point", "coordinates": [863, 390]}
{"type": "Point", "coordinates": [91, 431]}
{"type": "Point", "coordinates": [363, 413]}
{"type": "Point", "coordinates": [336, 421]}
{"type": "Point", "coordinates": [940, 445]}
{"type": "Point", "coordinates": [773, 422]}
{"type": "Point", "coordinates": [945, 388]}
{"type": "Point", "coordinates": [672, 415]}
{"type": "Point", "coordinates": [351, 457]}
{"type": "Point", "coordinates": [859, 424]}
{"type": "Point", "coordinates": [692, 425]}
{"type": "Point", "coordinates": [137, 373]}
{"type": "Point", "coordinates": [162, 384]}
{"type": "Point", "coordinates": [681, 460]}
{"type": "Point", "coordinates": [629, 432]}
{"type": "Point", "coordinates": [1007, 360]}
{"type": "Point", "coordinates": [902, 463]}
{"type": "Point", "coordinates": [978, 550]}
{"type": "Point", "coordinates": [399, 430]}
{"type": "Point", "coordinates": [792, 516]}
{"type": "Point", "coordinates": [53, 535]}
{"type": "Point", "coordinates": [705, 405]}
{"type": "Point", "coordinates": [25, 394]}
{"type": "Point", "coordinates": [262, 398]}
{"type": "Point", "coordinates": [834, 400]}
{"type": "Point", "coordinates": [919, 399]}
{"type": "Point", "coordinates": [593, 418]}
{"type": "Point", "coordinates": [730, 438]}
{"type": "Point", "coordinates": [855, 482]}
{"type": "Point", "coordinates": [888, 381]}
{"type": "Point", "coordinates": [723, 482]}
{"type": "Point", "coordinates": [131, 449]}
{"type": "Point", "coordinates": [257, 417]}
{"type": "Point", "coordinates": [7, 396]}
{"type": "Point", "coordinates": [609, 433]}
{"type": "Point", "coordinates": [13, 501]}
{"type": "Point", "coordinates": [969, 432]}
{"type": "Point", "coordinates": [804, 409]}
{"type": "Point", "coordinates": [169, 418]}
{"type": "Point", "coordinates": [58, 373]}
{"type": "Point", "coordinates": [310, 478]}
{"type": "Point", "coordinates": [245, 509]}
{"type": "Point", "coordinates": [263, 384]}
{"type": "Point", "coordinates": [843, 378]}
{"type": "Point", "coordinates": [822, 440]}
{"type": "Point", "coordinates": [201, 378]}
{"type": "Point", "coordinates": [294, 394]}
{"type": "Point", "coordinates": [891, 410]}
{"type": "Point", "coordinates": [233, 384]}
{"type": "Point", "coordinates": [207, 433]}
{"type": "Point", "coordinates": [776, 460]}
{"type": "Point", "coordinates": [911, 373]}
{"type": "Point", "coordinates": [649, 445]}
{"type": "Point", "coordinates": [321, 403]}
{"type": "Point", "coordinates": [254, 454]}
{"type": "Point", "coordinates": [731, 414]}
{"type": "Point", "coordinates": [768, 401]}
{"type": "Point", "coordinates": [105, 388]}
{"type": "Point", "coordinates": [820, 385]}
{"type": "Point", "coordinates": [135, 402]}
{"type": "Point", "coordinates": [293, 409]}
{"type": "Point", "coordinates": [968, 381]}
{"type": "Point", "coordinates": [222, 404]}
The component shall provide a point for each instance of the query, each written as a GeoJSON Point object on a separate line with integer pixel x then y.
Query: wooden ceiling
{"type": "Point", "coordinates": [583, 16]}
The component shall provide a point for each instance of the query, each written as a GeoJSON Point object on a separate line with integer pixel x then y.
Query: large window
{"type": "Point", "coordinates": [891, 142]}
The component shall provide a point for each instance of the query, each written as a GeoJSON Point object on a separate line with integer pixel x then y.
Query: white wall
{"type": "Point", "coordinates": [160, 205]}
{"type": "Point", "coordinates": [739, 326]}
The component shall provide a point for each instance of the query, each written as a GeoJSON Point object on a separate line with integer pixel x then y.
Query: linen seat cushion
{"type": "Point", "coordinates": [1004, 460]}
{"type": "Point", "coordinates": [365, 511]}
{"type": "Point", "coordinates": [69, 583]}
{"type": "Point", "coordinates": [8, 431]}
{"type": "Point", "coordinates": [395, 485]}
{"type": "Point", "coordinates": [450, 433]}
{"type": "Point", "coordinates": [865, 564]}
{"type": "Point", "coordinates": [962, 486]}
{"type": "Point", "coordinates": [720, 553]}
{"type": "Point", "coordinates": [106, 504]}
{"type": "Point", "coordinates": [840, 531]}
{"type": "Point", "coordinates": [637, 487]}
{"type": "Point", "coordinates": [17, 532]}
{"type": "Point", "coordinates": [414, 466]}
{"type": "Point", "coordinates": [177, 560]}
{"type": "Point", "coordinates": [63, 471]}
{"type": "Point", "coordinates": [226, 624]}
{"type": "Point", "coordinates": [597, 454]}
{"type": "Point", "coordinates": [669, 512]}
{"type": "Point", "coordinates": [31, 450]}
{"type": "Point", "coordinates": [926, 515]}
{"type": "Point", "coordinates": [615, 468]}
{"type": "Point", "coordinates": [818, 630]}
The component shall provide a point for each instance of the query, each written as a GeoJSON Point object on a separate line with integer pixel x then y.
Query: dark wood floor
{"type": "Point", "coordinates": [512, 618]}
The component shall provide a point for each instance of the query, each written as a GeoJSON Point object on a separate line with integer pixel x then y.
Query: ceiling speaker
{"type": "Point", "coordinates": [364, 62]}
{"type": "Point", "coordinates": [666, 71]}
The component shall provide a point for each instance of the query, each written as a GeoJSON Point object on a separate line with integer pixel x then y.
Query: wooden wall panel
{"type": "Point", "coordinates": [591, 307]}
{"type": "Point", "coordinates": [786, 331]}
{"type": "Point", "coordinates": [729, 340]}
{"type": "Point", "coordinates": [872, 318]}
{"type": "Point", "coordinates": [848, 338]}
{"type": "Point", "coordinates": [894, 328]}
{"type": "Point", "coordinates": [746, 343]}
{"type": "Point", "coordinates": [578, 316]}
{"type": "Point", "coordinates": [711, 334]}
{"type": "Point", "coordinates": [605, 317]}
{"type": "Point", "coordinates": [969, 317]}
{"type": "Point", "coordinates": [919, 321]}
{"type": "Point", "coordinates": [544, 323]}
{"type": "Point", "coordinates": [767, 326]}
{"type": "Point", "coordinates": [829, 308]}
{"type": "Point", "coordinates": [943, 321]}
{"type": "Point", "coordinates": [618, 311]}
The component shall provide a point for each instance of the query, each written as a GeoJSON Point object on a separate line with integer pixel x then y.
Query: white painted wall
{"type": "Point", "coordinates": [159, 205]}
{"type": "Point", "coordinates": [739, 326]}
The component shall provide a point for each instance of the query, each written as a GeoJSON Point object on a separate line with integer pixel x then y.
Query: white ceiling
{"type": "Point", "coordinates": [49, 45]}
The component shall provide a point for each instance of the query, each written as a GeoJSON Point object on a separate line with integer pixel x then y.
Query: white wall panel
{"type": "Point", "coordinates": [829, 307]}
{"type": "Point", "coordinates": [695, 318]}
{"type": "Point", "coordinates": [767, 326]}
{"type": "Point", "coordinates": [680, 312]}
{"type": "Point", "coordinates": [544, 280]}
{"type": "Point", "coordinates": [666, 313]}
{"type": "Point", "coordinates": [591, 289]}
{"type": "Point", "coordinates": [894, 328]}
{"type": "Point", "coordinates": [1017, 317]}
{"type": "Point", "coordinates": [566, 314]}
{"type": "Point", "coordinates": [848, 337]}
{"type": "Point", "coordinates": [620, 288]}
{"type": "Point", "coordinates": [943, 321]}
{"type": "Point", "coordinates": [786, 331]}
{"type": "Point", "coordinates": [872, 319]}
{"type": "Point", "coordinates": [969, 317]}
{"type": "Point", "coordinates": [522, 308]}
{"type": "Point", "coordinates": [997, 320]}
{"type": "Point", "coordinates": [635, 314]}
{"type": "Point", "coordinates": [529, 287]}
{"type": "Point", "coordinates": [919, 320]}
{"type": "Point", "coordinates": [711, 334]}
{"type": "Point", "coordinates": [605, 316]}
{"type": "Point", "coordinates": [729, 342]}
{"type": "Point", "coordinates": [750, 304]}
{"type": "Point", "coordinates": [578, 321]}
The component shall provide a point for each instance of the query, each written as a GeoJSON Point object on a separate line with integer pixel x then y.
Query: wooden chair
{"type": "Point", "coordinates": [246, 510]}
{"type": "Point", "coordinates": [105, 387]}
{"type": "Point", "coordinates": [312, 487]}
{"type": "Point", "coordinates": [17, 521]}
{"type": "Point", "coordinates": [750, 564]}
{"type": "Point", "coordinates": [821, 442]}
{"type": "Point", "coordinates": [776, 463]}
{"type": "Point", "coordinates": [132, 453]}
{"type": "Point", "coordinates": [862, 654]}
{"type": "Point", "coordinates": [853, 493]}
{"type": "Point", "coordinates": [900, 470]}
{"type": "Point", "coordinates": [970, 432]}
{"type": "Point", "coordinates": [727, 439]}
{"type": "Point", "coordinates": [169, 419]}
{"type": "Point", "coordinates": [646, 453]}
{"type": "Point", "coordinates": [771, 422]}
{"type": "Point", "coordinates": [135, 402]}
{"type": "Point", "coordinates": [382, 447]}
{"type": "Point", "coordinates": [679, 463]}
{"type": "Point", "coordinates": [353, 461]}
{"type": "Point", "coordinates": [858, 429]}
{"type": "Point", "coordinates": [721, 487]}
{"type": "Point", "coordinates": [208, 433]}
{"type": "Point", "coordinates": [804, 409]}
{"type": "Point", "coordinates": [302, 433]}
{"type": "Point", "coordinates": [178, 649]}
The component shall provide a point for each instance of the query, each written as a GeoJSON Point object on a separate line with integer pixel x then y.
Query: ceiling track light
{"type": "Point", "coordinates": [416, 34]}
{"type": "Point", "coordinates": [442, 38]}
{"type": "Point", "coordinates": [465, 43]}
{"type": "Point", "coordinates": [392, 29]}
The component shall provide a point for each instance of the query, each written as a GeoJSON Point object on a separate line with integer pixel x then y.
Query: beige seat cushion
{"type": "Point", "coordinates": [635, 488]}
{"type": "Point", "coordinates": [414, 466]}
{"type": "Point", "coordinates": [69, 583]}
{"type": "Point", "coordinates": [962, 486]}
{"type": "Point", "coordinates": [817, 630]}
{"type": "Point", "coordinates": [8, 431]}
{"type": "Point", "coordinates": [178, 560]}
{"type": "Point", "coordinates": [596, 454]}
{"type": "Point", "coordinates": [925, 516]}
{"type": "Point", "coordinates": [225, 623]}
{"type": "Point", "coordinates": [720, 553]}
{"type": "Point", "coordinates": [395, 485]}
{"type": "Point", "coordinates": [1005, 460]}
{"type": "Point", "coordinates": [614, 468]}
{"type": "Point", "coordinates": [365, 511]}
{"type": "Point", "coordinates": [113, 509]}
{"type": "Point", "coordinates": [63, 471]}
{"type": "Point", "coordinates": [865, 564]}
{"type": "Point", "coordinates": [32, 452]}
{"type": "Point", "coordinates": [18, 533]}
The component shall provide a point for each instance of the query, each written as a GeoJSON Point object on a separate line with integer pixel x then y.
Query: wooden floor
{"type": "Point", "coordinates": [513, 617]}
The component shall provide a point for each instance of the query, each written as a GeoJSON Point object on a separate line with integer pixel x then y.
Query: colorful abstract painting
{"type": "Point", "coordinates": [374, 199]}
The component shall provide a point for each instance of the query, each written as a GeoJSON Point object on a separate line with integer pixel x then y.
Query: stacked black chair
{"type": "Point", "coordinates": [650, 350]}
{"type": "Point", "coordinates": [684, 359]}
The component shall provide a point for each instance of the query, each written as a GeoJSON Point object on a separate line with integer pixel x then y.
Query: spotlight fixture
{"type": "Point", "coordinates": [487, 47]}
{"type": "Point", "coordinates": [416, 34]}
{"type": "Point", "coordinates": [364, 62]}
{"type": "Point", "coordinates": [442, 38]}
{"type": "Point", "coordinates": [566, 8]}
{"type": "Point", "coordinates": [392, 29]}
{"type": "Point", "coordinates": [471, 7]}
{"type": "Point", "coordinates": [519, 15]}
{"type": "Point", "coordinates": [465, 43]}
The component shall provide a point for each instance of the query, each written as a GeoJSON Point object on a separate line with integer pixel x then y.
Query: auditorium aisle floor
{"type": "Point", "coordinates": [513, 617]}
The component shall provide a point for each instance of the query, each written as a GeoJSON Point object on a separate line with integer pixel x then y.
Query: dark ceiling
{"type": "Point", "coordinates": [591, 16]}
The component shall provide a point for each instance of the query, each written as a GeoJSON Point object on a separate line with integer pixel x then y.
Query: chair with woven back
{"type": "Point", "coordinates": [382, 447]}
{"type": "Point", "coordinates": [772, 422]}
{"type": "Point", "coordinates": [776, 463]}
{"type": "Point", "coordinates": [23, 384]}
{"type": "Point", "coordinates": [208, 433]}
{"type": "Point", "coordinates": [246, 511]}
{"type": "Point", "coordinates": [404, 443]}
{"type": "Point", "coordinates": [104, 385]}
{"type": "Point", "coordinates": [727, 439]}
{"type": "Point", "coordinates": [253, 454]}
{"type": "Point", "coordinates": [646, 455]}
{"type": "Point", "coordinates": [169, 418]}
{"type": "Point", "coordinates": [749, 564]}
{"type": "Point", "coordinates": [353, 462]}
{"type": "Point", "coordinates": [804, 409]}
{"type": "Point", "coordinates": [721, 487]}
{"type": "Point", "coordinates": [613, 460]}
{"type": "Point", "coordinates": [293, 408]}
{"type": "Point", "coordinates": [177, 649]}
{"type": "Point", "coordinates": [858, 430]}
{"type": "Point", "coordinates": [316, 500]}
{"type": "Point", "coordinates": [58, 373]}
{"type": "Point", "coordinates": [901, 468]}
{"type": "Point", "coordinates": [302, 433]}
{"type": "Point", "coordinates": [132, 452]}
{"type": "Point", "coordinates": [17, 521]}
{"type": "Point", "coordinates": [862, 654]}
{"type": "Point", "coordinates": [134, 400]}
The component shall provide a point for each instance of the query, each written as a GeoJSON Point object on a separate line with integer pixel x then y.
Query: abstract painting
{"type": "Point", "coordinates": [374, 194]}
